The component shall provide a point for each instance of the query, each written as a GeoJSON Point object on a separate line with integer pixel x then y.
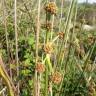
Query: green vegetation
{"type": "Point", "coordinates": [45, 49]}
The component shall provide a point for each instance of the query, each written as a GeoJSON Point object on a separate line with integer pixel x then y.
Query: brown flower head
{"type": "Point", "coordinates": [40, 67]}
{"type": "Point", "coordinates": [61, 35]}
{"type": "Point", "coordinates": [56, 77]}
{"type": "Point", "coordinates": [48, 48]}
{"type": "Point", "coordinates": [51, 8]}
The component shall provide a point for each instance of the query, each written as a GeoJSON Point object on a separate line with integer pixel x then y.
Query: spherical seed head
{"type": "Point", "coordinates": [40, 67]}
{"type": "Point", "coordinates": [48, 48]}
{"type": "Point", "coordinates": [51, 8]}
{"type": "Point", "coordinates": [56, 77]}
{"type": "Point", "coordinates": [61, 35]}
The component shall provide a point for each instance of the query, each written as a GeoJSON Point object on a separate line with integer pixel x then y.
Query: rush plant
{"type": "Point", "coordinates": [44, 50]}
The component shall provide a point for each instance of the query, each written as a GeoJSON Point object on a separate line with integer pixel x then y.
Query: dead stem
{"type": "Point", "coordinates": [6, 77]}
{"type": "Point", "coordinates": [16, 43]}
{"type": "Point", "coordinates": [37, 82]}
{"type": "Point", "coordinates": [5, 25]}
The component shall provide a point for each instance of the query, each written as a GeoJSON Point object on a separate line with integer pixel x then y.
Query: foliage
{"type": "Point", "coordinates": [67, 53]}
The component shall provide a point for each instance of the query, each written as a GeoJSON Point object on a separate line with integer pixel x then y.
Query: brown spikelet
{"type": "Point", "coordinates": [40, 67]}
{"type": "Point", "coordinates": [61, 35]}
{"type": "Point", "coordinates": [48, 48]}
{"type": "Point", "coordinates": [56, 77]}
{"type": "Point", "coordinates": [51, 8]}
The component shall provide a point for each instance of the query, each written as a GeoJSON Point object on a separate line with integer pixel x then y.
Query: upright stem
{"type": "Point", "coordinates": [6, 78]}
{"type": "Point", "coordinates": [5, 25]}
{"type": "Point", "coordinates": [67, 27]}
{"type": "Point", "coordinates": [7, 82]}
{"type": "Point", "coordinates": [57, 43]}
{"type": "Point", "coordinates": [46, 81]}
{"type": "Point", "coordinates": [6, 32]}
{"type": "Point", "coordinates": [37, 88]}
{"type": "Point", "coordinates": [16, 42]}
{"type": "Point", "coordinates": [70, 38]}
{"type": "Point", "coordinates": [62, 1]}
{"type": "Point", "coordinates": [52, 24]}
{"type": "Point", "coordinates": [86, 1]}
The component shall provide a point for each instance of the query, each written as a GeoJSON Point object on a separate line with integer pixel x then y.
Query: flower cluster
{"type": "Point", "coordinates": [61, 35]}
{"type": "Point", "coordinates": [56, 77]}
{"type": "Point", "coordinates": [51, 8]}
{"type": "Point", "coordinates": [40, 67]}
{"type": "Point", "coordinates": [48, 48]}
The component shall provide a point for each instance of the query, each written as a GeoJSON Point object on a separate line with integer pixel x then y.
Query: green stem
{"type": "Point", "coordinates": [49, 63]}
{"type": "Point", "coordinates": [46, 80]}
